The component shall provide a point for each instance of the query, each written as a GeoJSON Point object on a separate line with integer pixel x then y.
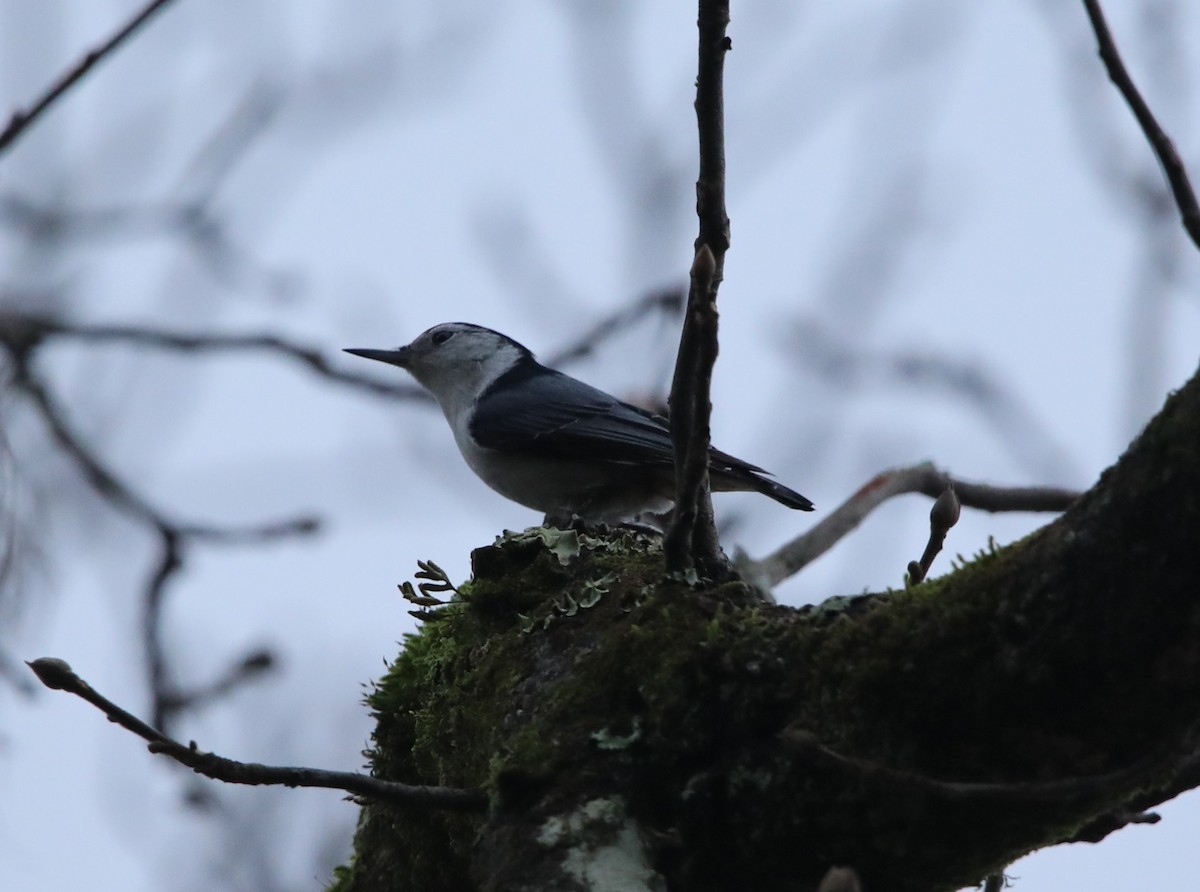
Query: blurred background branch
{"type": "Point", "coordinates": [1160, 142]}
{"type": "Point", "coordinates": [25, 118]}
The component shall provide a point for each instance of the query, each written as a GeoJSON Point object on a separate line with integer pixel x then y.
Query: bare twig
{"type": "Point", "coordinates": [847, 363]}
{"type": "Point", "coordinates": [171, 534]}
{"type": "Point", "coordinates": [9, 523]}
{"type": "Point", "coordinates": [249, 667]}
{"type": "Point", "coordinates": [162, 691]}
{"type": "Point", "coordinates": [123, 496]}
{"type": "Point", "coordinates": [942, 516]}
{"type": "Point", "coordinates": [1160, 142]}
{"type": "Point", "coordinates": [190, 217]}
{"type": "Point", "coordinates": [1116, 164]}
{"type": "Point", "coordinates": [925, 479]}
{"type": "Point", "coordinates": [665, 301]}
{"type": "Point", "coordinates": [229, 143]}
{"type": "Point", "coordinates": [58, 675]}
{"type": "Point", "coordinates": [35, 329]}
{"type": "Point", "coordinates": [691, 541]}
{"type": "Point", "coordinates": [712, 21]}
{"type": "Point", "coordinates": [22, 119]}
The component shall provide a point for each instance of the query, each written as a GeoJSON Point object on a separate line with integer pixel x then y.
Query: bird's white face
{"type": "Point", "coordinates": [456, 361]}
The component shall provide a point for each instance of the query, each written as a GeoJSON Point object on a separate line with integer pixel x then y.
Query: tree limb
{"type": "Point", "coordinates": [927, 737]}
{"type": "Point", "coordinates": [961, 723]}
{"type": "Point", "coordinates": [58, 675]}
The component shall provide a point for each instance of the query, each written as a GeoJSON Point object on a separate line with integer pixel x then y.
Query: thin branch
{"type": "Point", "coordinates": [123, 496]}
{"type": "Point", "coordinates": [666, 300]}
{"type": "Point", "coordinates": [942, 516]}
{"type": "Point", "coordinates": [249, 667]}
{"type": "Point", "coordinates": [58, 675]}
{"type": "Point", "coordinates": [191, 217]}
{"type": "Point", "coordinates": [9, 523]}
{"type": "Point", "coordinates": [232, 140]}
{"type": "Point", "coordinates": [691, 542]}
{"type": "Point", "coordinates": [42, 328]}
{"type": "Point", "coordinates": [170, 563]}
{"type": "Point", "coordinates": [712, 21]}
{"type": "Point", "coordinates": [924, 479]}
{"type": "Point", "coordinates": [172, 535]}
{"type": "Point", "coordinates": [22, 119]}
{"type": "Point", "coordinates": [98, 476]}
{"type": "Point", "coordinates": [848, 364]}
{"type": "Point", "coordinates": [1160, 142]}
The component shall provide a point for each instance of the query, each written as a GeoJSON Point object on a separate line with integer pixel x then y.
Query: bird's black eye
{"type": "Point", "coordinates": [440, 337]}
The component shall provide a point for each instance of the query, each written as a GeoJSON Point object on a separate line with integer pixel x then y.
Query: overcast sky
{"type": "Point", "coordinates": [940, 251]}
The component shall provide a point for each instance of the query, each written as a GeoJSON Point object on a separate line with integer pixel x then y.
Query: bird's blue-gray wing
{"type": "Point", "coordinates": [553, 415]}
{"type": "Point", "coordinates": [546, 413]}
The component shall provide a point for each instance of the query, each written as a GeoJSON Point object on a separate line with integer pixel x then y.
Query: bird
{"type": "Point", "coordinates": [551, 442]}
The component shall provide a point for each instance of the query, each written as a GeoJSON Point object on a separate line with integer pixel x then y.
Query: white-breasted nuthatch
{"type": "Point", "coordinates": [551, 442]}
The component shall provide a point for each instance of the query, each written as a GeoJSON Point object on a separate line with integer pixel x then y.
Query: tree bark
{"type": "Point", "coordinates": [634, 733]}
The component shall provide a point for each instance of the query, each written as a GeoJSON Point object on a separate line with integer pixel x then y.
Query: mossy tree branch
{"type": "Point", "coordinates": [1045, 692]}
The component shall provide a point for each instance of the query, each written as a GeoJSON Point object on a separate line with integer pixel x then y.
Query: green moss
{"type": "Point", "coordinates": [511, 629]}
{"type": "Point", "coordinates": [572, 633]}
{"type": "Point", "coordinates": [546, 676]}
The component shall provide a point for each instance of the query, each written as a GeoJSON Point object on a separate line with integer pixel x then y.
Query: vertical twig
{"type": "Point", "coordinates": [1160, 142]}
{"type": "Point", "coordinates": [691, 542]}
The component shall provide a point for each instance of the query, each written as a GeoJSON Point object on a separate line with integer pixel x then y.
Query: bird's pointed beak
{"type": "Point", "coordinates": [399, 356]}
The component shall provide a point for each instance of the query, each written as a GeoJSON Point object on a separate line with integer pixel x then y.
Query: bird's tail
{"type": "Point", "coordinates": [729, 474]}
{"type": "Point", "coordinates": [780, 493]}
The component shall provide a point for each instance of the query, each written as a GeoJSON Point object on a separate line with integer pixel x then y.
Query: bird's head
{"type": "Point", "coordinates": [455, 361]}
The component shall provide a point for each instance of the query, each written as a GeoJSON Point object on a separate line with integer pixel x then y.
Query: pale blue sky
{"type": "Point", "coordinates": [904, 178]}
